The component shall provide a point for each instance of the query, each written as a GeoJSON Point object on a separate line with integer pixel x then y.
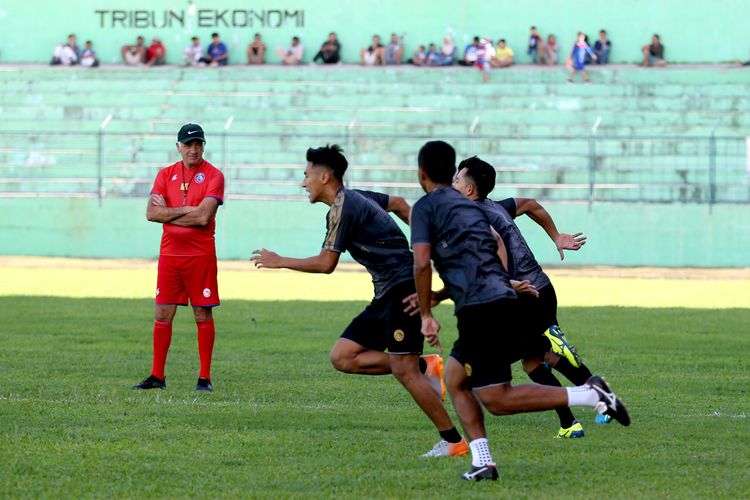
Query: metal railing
{"type": "Point", "coordinates": [584, 168]}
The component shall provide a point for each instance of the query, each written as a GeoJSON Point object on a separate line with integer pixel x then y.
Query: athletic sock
{"type": "Point", "coordinates": [480, 452]}
{"type": "Point", "coordinates": [542, 375]}
{"type": "Point", "coordinates": [578, 376]}
{"type": "Point", "coordinates": [206, 336]}
{"type": "Point", "coordinates": [451, 435]}
{"type": "Point", "coordinates": [422, 365]}
{"type": "Point", "coordinates": [582, 396]}
{"type": "Point", "coordinates": [162, 339]}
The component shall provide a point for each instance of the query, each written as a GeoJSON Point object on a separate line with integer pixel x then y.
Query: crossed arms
{"type": "Point", "coordinates": [158, 211]}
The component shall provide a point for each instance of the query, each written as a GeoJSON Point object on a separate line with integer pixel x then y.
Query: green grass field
{"type": "Point", "coordinates": [282, 423]}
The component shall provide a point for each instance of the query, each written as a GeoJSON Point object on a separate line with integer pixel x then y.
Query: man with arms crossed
{"type": "Point", "coordinates": [455, 232]}
{"type": "Point", "coordinates": [184, 199]}
{"type": "Point", "coordinates": [358, 222]}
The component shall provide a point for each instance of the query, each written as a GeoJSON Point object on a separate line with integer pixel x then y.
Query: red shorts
{"type": "Point", "coordinates": [180, 278]}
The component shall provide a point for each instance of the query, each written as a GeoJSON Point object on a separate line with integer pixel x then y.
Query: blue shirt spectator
{"type": "Point", "coordinates": [218, 55]}
{"type": "Point", "coordinates": [602, 48]}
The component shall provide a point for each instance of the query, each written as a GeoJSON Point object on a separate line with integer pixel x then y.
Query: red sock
{"type": "Point", "coordinates": [206, 336]}
{"type": "Point", "coordinates": [162, 339]}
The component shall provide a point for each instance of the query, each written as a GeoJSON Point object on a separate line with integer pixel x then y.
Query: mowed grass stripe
{"type": "Point", "coordinates": [280, 285]}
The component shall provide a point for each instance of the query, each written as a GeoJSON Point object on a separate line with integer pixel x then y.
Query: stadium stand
{"type": "Point", "coordinates": [634, 135]}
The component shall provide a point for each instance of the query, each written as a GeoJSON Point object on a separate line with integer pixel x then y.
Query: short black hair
{"type": "Point", "coordinates": [602, 31]}
{"type": "Point", "coordinates": [481, 173]}
{"type": "Point", "coordinates": [533, 27]}
{"type": "Point", "coordinates": [214, 34]}
{"type": "Point", "coordinates": [502, 40]}
{"type": "Point", "coordinates": [657, 36]}
{"type": "Point", "coordinates": [331, 156]}
{"type": "Point", "coordinates": [476, 38]}
{"type": "Point", "coordinates": [438, 160]}
{"type": "Point", "coordinates": [194, 38]}
{"type": "Point", "coordinates": [295, 38]}
{"type": "Point", "coordinates": [257, 34]}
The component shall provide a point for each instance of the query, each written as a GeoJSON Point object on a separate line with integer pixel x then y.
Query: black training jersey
{"type": "Point", "coordinates": [524, 265]}
{"type": "Point", "coordinates": [463, 248]}
{"type": "Point", "coordinates": [359, 224]}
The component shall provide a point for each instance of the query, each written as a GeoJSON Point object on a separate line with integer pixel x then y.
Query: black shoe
{"type": "Point", "coordinates": [485, 472]}
{"type": "Point", "coordinates": [151, 382]}
{"type": "Point", "coordinates": [204, 385]}
{"type": "Point", "coordinates": [609, 403]}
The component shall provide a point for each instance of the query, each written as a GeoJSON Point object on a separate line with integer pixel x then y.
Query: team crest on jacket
{"type": "Point", "coordinates": [174, 177]}
{"type": "Point", "coordinates": [468, 370]}
{"type": "Point", "coordinates": [200, 178]}
{"type": "Point", "coordinates": [206, 292]}
{"type": "Point", "coordinates": [398, 335]}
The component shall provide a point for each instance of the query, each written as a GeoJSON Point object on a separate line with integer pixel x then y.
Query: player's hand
{"type": "Point", "coordinates": [266, 258]}
{"type": "Point", "coordinates": [524, 287]}
{"type": "Point", "coordinates": [412, 303]}
{"type": "Point", "coordinates": [430, 329]}
{"type": "Point", "coordinates": [566, 241]}
{"type": "Point", "coordinates": [158, 200]}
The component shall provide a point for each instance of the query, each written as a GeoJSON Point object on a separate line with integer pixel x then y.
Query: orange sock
{"type": "Point", "coordinates": [162, 339]}
{"type": "Point", "coordinates": [206, 336]}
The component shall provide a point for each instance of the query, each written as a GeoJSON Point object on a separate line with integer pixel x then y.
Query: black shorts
{"type": "Point", "coordinates": [384, 325]}
{"type": "Point", "coordinates": [490, 339]}
{"type": "Point", "coordinates": [537, 315]}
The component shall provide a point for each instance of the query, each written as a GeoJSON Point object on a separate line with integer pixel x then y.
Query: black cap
{"type": "Point", "coordinates": [190, 132]}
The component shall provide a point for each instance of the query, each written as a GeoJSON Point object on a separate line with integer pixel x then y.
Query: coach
{"type": "Point", "coordinates": [184, 200]}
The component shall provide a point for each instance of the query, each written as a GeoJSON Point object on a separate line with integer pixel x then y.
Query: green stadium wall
{"type": "Point", "coordinates": [692, 32]}
{"type": "Point", "coordinates": [620, 234]}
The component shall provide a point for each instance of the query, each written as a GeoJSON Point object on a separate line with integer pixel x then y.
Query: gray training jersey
{"type": "Point", "coordinates": [463, 248]}
{"type": "Point", "coordinates": [359, 224]}
{"type": "Point", "coordinates": [522, 264]}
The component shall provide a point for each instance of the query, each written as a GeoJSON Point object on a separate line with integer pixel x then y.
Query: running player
{"type": "Point", "coordinates": [358, 222]}
{"type": "Point", "coordinates": [455, 233]}
{"type": "Point", "coordinates": [184, 200]}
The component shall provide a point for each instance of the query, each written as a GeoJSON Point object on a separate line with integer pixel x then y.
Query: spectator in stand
{"type": "Point", "coordinates": [394, 51]}
{"type": "Point", "coordinates": [256, 51]}
{"type": "Point", "coordinates": [447, 54]}
{"type": "Point", "coordinates": [536, 45]}
{"type": "Point", "coordinates": [602, 47]}
{"type": "Point", "coordinates": [653, 55]}
{"type": "Point", "coordinates": [156, 54]}
{"type": "Point", "coordinates": [66, 54]}
{"type": "Point", "coordinates": [470, 53]}
{"type": "Point", "coordinates": [88, 56]}
{"type": "Point", "coordinates": [330, 51]}
{"type": "Point", "coordinates": [374, 55]}
{"type": "Point", "coordinates": [291, 55]}
{"type": "Point", "coordinates": [503, 55]}
{"type": "Point", "coordinates": [420, 57]}
{"type": "Point", "coordinates": [549, 54]}
{"type": "Point", "coordinates": [217, 53]}
{"type": "Point", "coordinates": [134, 55]}
{"type": "Point", "coordinates": [432, 55]}
{"type": "Point", "coordinates": [193, 52]}
{"type": "Point", "coordinates": [484, 55]}
{"type": "Point", "coordinates": [578, 58]}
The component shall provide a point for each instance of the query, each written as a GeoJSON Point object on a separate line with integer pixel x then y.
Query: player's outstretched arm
{"type": "Point", "coordinates": [537, 213]}
{"type": "Point", "coordinates": [202, 215]}
{"type": "Point", "coordinates": [158, 211]}
{"type": "Point", "coordinates": [324, 263]}
{"type": "Point", "coordinates": [400, 207]}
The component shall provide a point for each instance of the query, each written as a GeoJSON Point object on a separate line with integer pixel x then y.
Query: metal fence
{"type": "Point", "coordinates": [584, 168]}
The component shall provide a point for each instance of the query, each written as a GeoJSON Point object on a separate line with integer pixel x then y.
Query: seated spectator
{"type": "Point", "coordinates": [394, 51]}
{"type": "Point", "coordinates": [256, 51]}
{"type": "Point", "coordinates": [293, 54]}
{"type": "Point", "coordinates": [330, 51]}
{"type": "Point", "coordinates": [431, 55]}
{"type": "Point", "coordinates": [88, 56]}
{"type": "Point", "coordinates": [66, 54]}
{"type": "Point", "coordinates": [419, 58]}
{"type": "Point", "coordinates": [602, 47]}
{"type": "Point", "coordinates": [470, 53]}
{"type": "Point", "coordinates": [193, 52]}
{"type": "Point", "coordinates": [374, 54]}
{"type": "Point", "coordinates": [446, 55]}
{"type": "Point", "coordinates": [503, 55]}
{"type": "Point", "coordinates": [536, 45]}
{"type": "Point", "coordinates": [156, 54]}
{"type": "Point", "coordinates": [217, 53]}
{"type": "Point", "coordinates": [549, 54]}
{"type": "Point", "coordinates": [133, 55]}
{"type": "Point", "coordinates": [653, 55]}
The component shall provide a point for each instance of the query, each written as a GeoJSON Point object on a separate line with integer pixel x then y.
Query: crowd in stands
{"type": "Point", "coordinates": [482, 52]}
